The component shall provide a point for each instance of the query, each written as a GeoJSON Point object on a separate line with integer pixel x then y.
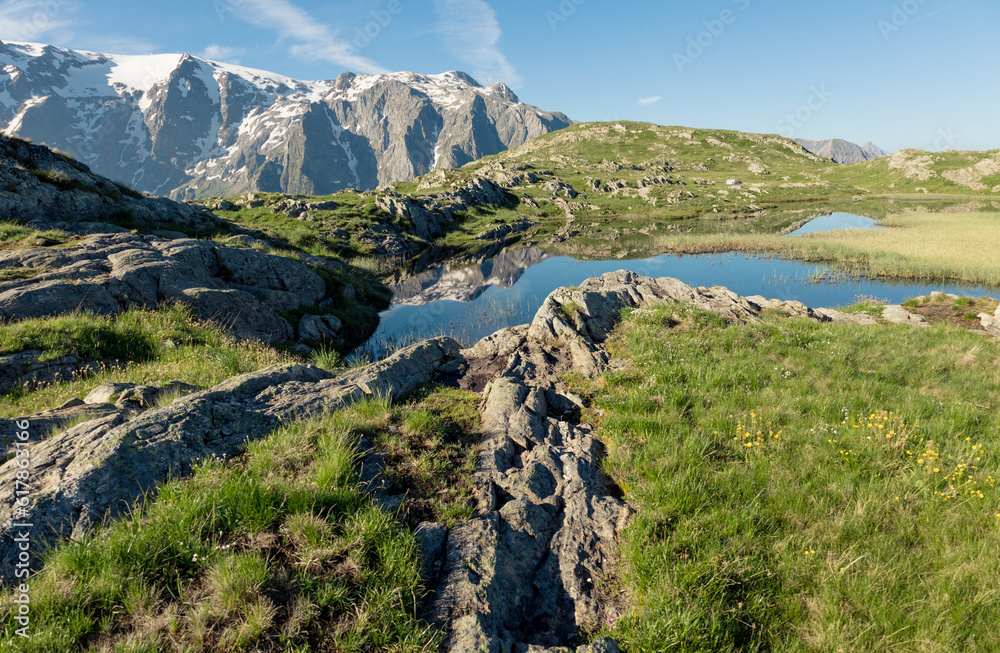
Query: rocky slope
{"type": "Point", "coordinates": [842, 151]}
{"type": "Point", "coordinates": [97, 246]}
{"type": "Point", "coordinates": [181, 125]}
{"type": "Point", "coordinates": [48, 190]}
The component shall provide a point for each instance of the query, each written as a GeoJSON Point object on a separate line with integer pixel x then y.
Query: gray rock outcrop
{"type": "Point", "coordinates": [530, 571]}
{"type": "Point", "coordinates": [51, 191]}
{"type": "Point", "coordinates": [100, 467]}
{"type": "Point", "coordinates": [425, 216]}
{"type": "Point", "coordinates": [242, 289]}
{"type": "Point", "coordinates": [896, 314]}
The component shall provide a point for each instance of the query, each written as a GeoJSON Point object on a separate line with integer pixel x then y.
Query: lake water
{"type": "Point", "coordinates": [835, 221]}
{"type": "Point", "coordinates": [472, 302]}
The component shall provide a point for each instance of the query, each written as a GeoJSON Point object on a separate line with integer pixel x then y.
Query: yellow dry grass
{"type": "Point", "coordinates": [934, 246]}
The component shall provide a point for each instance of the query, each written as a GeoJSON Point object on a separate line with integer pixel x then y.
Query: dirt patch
{"type": "Point", "coordinates": [954, 310]}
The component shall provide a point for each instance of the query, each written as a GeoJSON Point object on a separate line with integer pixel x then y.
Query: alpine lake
{"type": "Point", "coordinates": [471, 301]}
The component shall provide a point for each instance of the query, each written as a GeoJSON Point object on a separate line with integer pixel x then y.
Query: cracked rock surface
{"type": "Point", "coordinates": [100, 467]}
{"type": "Point", "coordinates": [242, 289]}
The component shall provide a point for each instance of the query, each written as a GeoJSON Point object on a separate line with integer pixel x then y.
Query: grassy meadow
{"type": "Point", "coordinates": [804, 486]}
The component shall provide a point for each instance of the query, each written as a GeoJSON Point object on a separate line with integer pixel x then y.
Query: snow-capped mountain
{"type": "Point", "coordinates": [189, 127]}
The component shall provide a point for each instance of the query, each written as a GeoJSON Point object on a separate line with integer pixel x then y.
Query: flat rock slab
{"type": "Point", "coordinates": [243, 290]}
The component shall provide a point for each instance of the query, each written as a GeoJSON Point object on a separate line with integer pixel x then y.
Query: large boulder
{"type": "Point", "coordinates": [242, 289]}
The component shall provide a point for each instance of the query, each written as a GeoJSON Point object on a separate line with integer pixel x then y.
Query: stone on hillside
{"type": "Point", "coordinates": [49, 421]}
{"type": "Point", "coordinates": [322, 206]}
{"type": "Point", "coordinates": [319, 328]}
{"type": "Point", "coordinates": [238, 313]}
{"type": "Point", "coordinates": [425, 224]}
{"type": "Point", "coordinates": [134, 396]}
{"type": "Point", "coordinates": [42, 297]}
{"type": "Point", "coordinates": [222, 205]}
{"type": "Point", "coordinates": [243, 240]}
{"type": "Point", "coordinates": [896, 314]}
{"type": "Point", "coordinates": [107, 393]}
{"type": "Point", "coordinates": [991, 323]}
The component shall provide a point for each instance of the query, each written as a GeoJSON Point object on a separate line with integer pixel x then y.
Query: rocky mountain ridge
{"type": "Point", "coordinates": [842, 151]}
{"type": "Point", "coordinates": [190, 127]}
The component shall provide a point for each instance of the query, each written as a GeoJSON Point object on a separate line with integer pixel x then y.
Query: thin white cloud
{"type": "Point", "coordinates": [34, 20]}
{"type": "Point", "coordinates": [470, 31]}
{"type": "Point", "coordinates": [311, 39]}
{"type": "Point", "coordinates": [938, 11]}
{"type": "Point", "coordinates": [222, 53]}
{"type": "Point", "coordinates": [646, 101]}
{"type": "Point", "coordinates": [114, 44]}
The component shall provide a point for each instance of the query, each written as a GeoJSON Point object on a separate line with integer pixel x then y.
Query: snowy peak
{"type": "Point", "coordinates": [192, 127]}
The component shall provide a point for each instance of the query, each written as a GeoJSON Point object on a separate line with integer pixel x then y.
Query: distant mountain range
{"type": "Point", "coordinates": [842, 151]}
{"type": "Point", "coordinates": [187, 127]}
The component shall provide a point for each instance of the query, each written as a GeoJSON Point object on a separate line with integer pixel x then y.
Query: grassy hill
{"type": "Point", "coordinates": [916, 171]}
{"type": "Point", "coordinates": [602, 189]}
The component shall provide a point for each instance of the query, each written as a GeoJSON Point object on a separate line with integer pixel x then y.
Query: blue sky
{"type": "Point", "coordinates": [901, 73]}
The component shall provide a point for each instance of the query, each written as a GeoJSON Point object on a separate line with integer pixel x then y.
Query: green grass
{"type": "Point", "coordinates": [431, 451]}
{"type": "Point", "coordinates": [276, 550]}
{"type": "Point", "coordinates": [132, 335]}
{"type": "Point", "coordinates": [804, 486]}
{"type": "Point", "coordinates": [327, 358]}
{"type": "Point", "coordinates": [18, 236]}
{"type": "Point", "coordinates": [138, 346]}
